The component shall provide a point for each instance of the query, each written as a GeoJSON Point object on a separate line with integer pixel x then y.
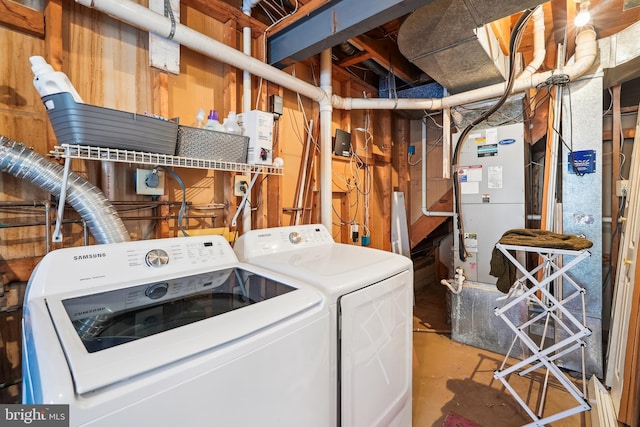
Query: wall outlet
{"type": "Point", "coordinates": [148, 184]}
{"type": "Point", "coordinates": [240, 185]}
{"type": "Point", "coordinates": [622, 187]}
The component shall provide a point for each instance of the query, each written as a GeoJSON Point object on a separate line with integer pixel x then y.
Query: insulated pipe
{"type": "Point", "coordinates": [87, 199]}
{"type": "Point", "coordinates": [326, 110]}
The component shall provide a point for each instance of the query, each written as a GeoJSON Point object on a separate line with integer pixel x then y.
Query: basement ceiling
{"type": "Point", "coordinates": [364, 40]}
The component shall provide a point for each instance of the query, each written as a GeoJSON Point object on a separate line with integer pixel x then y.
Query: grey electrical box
{"type": "Point", "coordinates": [276, 105]}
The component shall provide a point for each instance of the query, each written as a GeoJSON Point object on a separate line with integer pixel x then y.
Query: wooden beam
{"type": "Point", "coordinates": [629, 133]}
{"type": "Point", "coordinates": [502, 30]}
{"type": "Point", "coordinates": [274, 183]}
{"type": "Point", "coordinates": [230, 103]}
{"type": "Point", "coordinates": [356, 84]}
{"type": "Point", "coordinates": [562, 13]}
{"type": "Point", "coordinates": [354, 59]}
{"type": "Point", "coordinates": [382, 181]}
{"type": "Point", "coordinates": [387, 53]}
{"type": "Point", "coordinates": [21, 18]}
{"type": "Point", "coordinates": [302, 11]}
{"type": "Point", "coordinates": [53, 48]}
{"type": "Point", "coordinates": [161, 107]}
{"type": "Point", "coordinates": [223, 12]}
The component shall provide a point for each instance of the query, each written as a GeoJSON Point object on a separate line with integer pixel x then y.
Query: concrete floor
{"type": "Point", "coordinates": [450, 377]}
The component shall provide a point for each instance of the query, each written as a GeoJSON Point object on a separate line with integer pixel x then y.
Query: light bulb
{"type": "Point", "coordinates": [583, 17]}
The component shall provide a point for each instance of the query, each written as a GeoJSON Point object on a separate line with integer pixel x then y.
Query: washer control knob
{"type": "Point", "coordinates": [295, 237]}
{"type": "Point", "coordinates": [157, 290]}
{"type": "Point", "coordinates": [156, 258]}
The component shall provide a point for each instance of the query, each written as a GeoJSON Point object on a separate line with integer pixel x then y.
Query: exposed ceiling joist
{"type": "Point", "coordinates": [218, 9]}
{"type": "Point", "coordinates": [331, 24]}
{"type": "Point", "coordinates": [386, 53]}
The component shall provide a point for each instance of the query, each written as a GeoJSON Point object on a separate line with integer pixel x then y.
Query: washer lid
{"type": "Point", "coordinates": [115, 335]}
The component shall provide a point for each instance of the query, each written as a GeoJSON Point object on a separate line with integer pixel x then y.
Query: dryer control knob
{"type": "Point", "coordinates": [156, 258]}
{"type": "Point", "coordinates": [295, 237]}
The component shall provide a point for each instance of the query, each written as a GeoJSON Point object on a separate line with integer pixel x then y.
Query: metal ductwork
{"type": "Point", "coordinates": [449, 41]}
{"type": "Point", "coordinates": [87, 199]}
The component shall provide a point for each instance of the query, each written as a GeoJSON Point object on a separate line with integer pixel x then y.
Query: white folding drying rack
{"type": "Point", "coordinates": [553, 308]}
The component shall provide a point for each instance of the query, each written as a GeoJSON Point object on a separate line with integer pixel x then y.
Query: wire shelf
{"type": "Point", "coordinates": [73, 151]}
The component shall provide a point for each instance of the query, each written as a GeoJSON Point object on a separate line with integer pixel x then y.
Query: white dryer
{"type": "Point", "coordinates": [370, 294]}
{"type": "Point", "coordinates": [174, 332]}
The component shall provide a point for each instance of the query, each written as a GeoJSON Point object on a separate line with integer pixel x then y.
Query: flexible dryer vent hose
{"type": "Point", "coordinates": [87, 199]}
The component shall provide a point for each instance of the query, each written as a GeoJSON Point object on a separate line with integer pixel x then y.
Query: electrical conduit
{"type": "Point", "coordinates": [87, 199]}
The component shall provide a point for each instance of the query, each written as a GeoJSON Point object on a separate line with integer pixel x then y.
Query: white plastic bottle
{"type": "Point", "coordinates": [213, 122]}
{"type": "Point", "coordinates": [231, 125]}
{"type": "Point", "coordinates": [48, 81]}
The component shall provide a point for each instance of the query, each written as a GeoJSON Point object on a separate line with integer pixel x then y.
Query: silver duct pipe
{"type": "Point", "coordinates": [87, 199]}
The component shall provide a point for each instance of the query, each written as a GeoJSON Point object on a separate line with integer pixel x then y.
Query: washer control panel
{"type": "Point", "coordinates": [156, 258]}
{"type": "Point", "coordinates": [72, 269]}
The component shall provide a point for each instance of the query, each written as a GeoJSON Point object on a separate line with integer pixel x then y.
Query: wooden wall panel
{"type": "Point", "coordinates": [107, 61]}
{"type": "Point", "coordinates": [22, 118]}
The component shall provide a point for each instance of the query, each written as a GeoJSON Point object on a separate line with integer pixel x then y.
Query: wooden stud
{"type": "Point", "coordinates": [161, 107]}
{"type": "Point", "coordinates": [274, 183]}
{"type": "Point", "coordinates": [230, 102]}
{"type": "Point", "coordinates": [53, 49]}
{"type": "Point", "coordinates": [382, 183]}
{"type": "Point", "coordinates": [22, 18]}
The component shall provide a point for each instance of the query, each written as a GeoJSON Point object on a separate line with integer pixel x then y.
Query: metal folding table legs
{"type": "Point", "coordinates": [552, 306]}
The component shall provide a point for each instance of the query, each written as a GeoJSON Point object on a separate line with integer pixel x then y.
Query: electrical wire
{"type": "Point", "coordinates": [514, 43]}
{"type": "Point", "coordinates": [183, 206]}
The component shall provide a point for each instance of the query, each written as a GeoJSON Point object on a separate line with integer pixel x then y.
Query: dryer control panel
{"type": "Point", "coordinates": [281, 239]}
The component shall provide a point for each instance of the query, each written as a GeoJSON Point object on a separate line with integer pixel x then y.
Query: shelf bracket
{"type": "Point", "coordinates": [57, 233]}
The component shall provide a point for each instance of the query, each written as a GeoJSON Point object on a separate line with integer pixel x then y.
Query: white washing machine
{"type": "Point", "coordinates": [370, 295]}
{"type": "Point", "coordinates": [174, 332]}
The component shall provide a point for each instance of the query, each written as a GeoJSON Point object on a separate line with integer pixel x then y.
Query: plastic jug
{"type": "Point", "coordinates": [213, 122]}
{"type": "Point", "coordinates": [48, 81]}
{"type": "Point", "coordinates": [231, 125]}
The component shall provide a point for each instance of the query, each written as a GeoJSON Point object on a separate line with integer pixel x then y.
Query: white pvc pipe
{"type": "Point", "coordinates": [246, 96]}
{"type": "Point", "coordinates": [586, 52]}
{"type": "Point", "coordinates": [326, 111]}
{"type": "Point", "coordinates": [143, 18]}
{"type": "Point", "coordinates": [538, 56]}
{"type": "Point", "coordinates": [446, 142]}
{"type": "Point", "coordinates": [147, 20]}
{"type": "Point", "coordinates": [539, 50]}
